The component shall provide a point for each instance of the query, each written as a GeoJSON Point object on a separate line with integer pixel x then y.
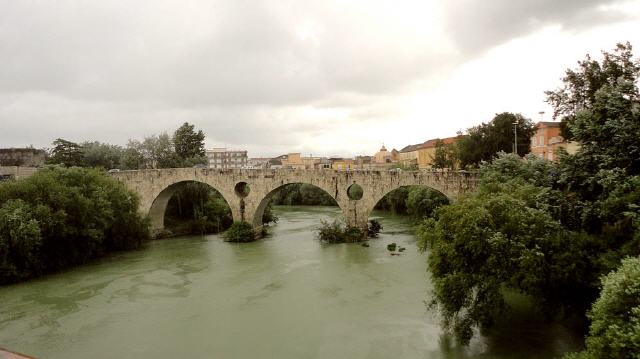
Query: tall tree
{"type": "Point", "coordinates": [546, 229]}
{"type": "Point", "coordinates": [103, 155]}
{"type": "Point", "coordinates": [188, 143]}
{"type": "Point", "coordinates": [445, 156]}
{"type": "Point", "coordinates": [156, 151]}
{"type": "Point", "coordinates": [483, 142]}
{"type": "Point", "coordinates": [66, 153]}
{"type": "Point", "coordinates": [600, 105]}
{"type": "Point", "coordinates": [132, 157]}
{"type": "Point", "coordinates": [581, 85]}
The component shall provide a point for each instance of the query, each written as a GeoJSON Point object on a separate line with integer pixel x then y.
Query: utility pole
{"type": "Point", "coordinates": [515, 138]}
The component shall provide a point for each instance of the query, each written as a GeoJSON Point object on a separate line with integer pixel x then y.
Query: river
{"type": "Point", "coordinates": [286, 296]}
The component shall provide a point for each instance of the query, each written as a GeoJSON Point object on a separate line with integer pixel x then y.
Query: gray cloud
{"type": "Point", "coordinates": [476, 26]}
{"type": "Point", "coordinates": [215, 53]}
{"type": "Point", "coordinates": [269, 76]}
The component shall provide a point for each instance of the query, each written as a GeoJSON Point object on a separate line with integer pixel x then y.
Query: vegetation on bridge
{"type": "Point", "coordinates": [550, 230]}
{"type": "Point", "coordinates": [62, 217]}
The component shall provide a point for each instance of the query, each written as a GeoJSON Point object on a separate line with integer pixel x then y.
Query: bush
{"type": "Point", "coordinates": [374, 228]}
{"type": "Point", "coordinates": [240, 232]}
{"type": "Point", "coordinates": [615, 316]}
{"type": "Point", "coordinates": [337, 232]}
{"type": "Point", "coordinates": [268, 216]}
{"type": "Point", "coordinates": [61, 217]}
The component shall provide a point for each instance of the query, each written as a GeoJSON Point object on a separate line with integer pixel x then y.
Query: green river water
{"type": "Point", "coordinates": [286, 296]}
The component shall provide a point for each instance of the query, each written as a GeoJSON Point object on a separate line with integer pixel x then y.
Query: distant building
{"type": "Point", "coordinates": [276, 162]}
{"type": "Point", "coordinates": [25, 157]}
{"type": "Point", "coordinates": [364, 162]}
{"type": "Point", "coordinates": [258, 163]}
{"type": "Point", "coordinates": [408, 156]}
{"type": "Point", "coordinates": [338, 163]}
{"type": "Point", "coordinates": [547, 140]}
{"type": "Point", "coordinates": [384, 156]}
{"type": "Point", "coordinates": [221, 158]}
{"type": "Point", "coordinates": [324, 164]}
{"type": "Point", "coordinates": [297, 162]}
{"type": "Point", "coordinates": [427, 150]}
{"type": "Point", "coordinates": [293, 161]}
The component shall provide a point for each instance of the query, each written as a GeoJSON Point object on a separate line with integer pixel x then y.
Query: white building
{"type": "Point", "coordinates": [221, 158]}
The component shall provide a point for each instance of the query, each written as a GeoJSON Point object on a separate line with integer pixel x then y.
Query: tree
{"type": "Point", "coordinates": [504, 237]}
{"type": "Point", "coordinates": [600, 105]}
{"type": "Point", "coordinates": [445, 156]}
{"type": "Point", "coordinates": [66, 153]}
{"type": "Point", "coordinates": [103, 155]}
{"type": "Point", "coordinates": [132, 157]}
{"type": "Point", "coordinates": [549, 230]}
{"type": "Point", "coordinates": [483, 142]}
{"type": "Point", "coordinates": [156, 151]}
{"type": "Point", "coordinates": [615, 317]}
{"type": "Point", "coordinates": [20, 241]}
{"type": "Point", "coordinates": [60, 217]}
{"type": "Point", "coordinates": [422, 201]}
{"type": "Point", "coordinates": [581, 85]}
{"type": "Point", "coordinates": [188, 143]}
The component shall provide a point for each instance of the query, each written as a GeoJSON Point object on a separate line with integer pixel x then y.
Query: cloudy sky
{"type": "Point", "coordinates": [329, 77]}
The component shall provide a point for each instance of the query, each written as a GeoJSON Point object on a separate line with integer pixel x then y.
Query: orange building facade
{"type": "Point", "coordinates": [547, 140]}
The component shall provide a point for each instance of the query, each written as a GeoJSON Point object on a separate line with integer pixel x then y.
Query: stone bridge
{"type": "Point", "coordinates": [155, 188]}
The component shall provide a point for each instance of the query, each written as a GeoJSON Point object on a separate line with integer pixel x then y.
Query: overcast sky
{"type": "Point", "coordinates": [317, 77]}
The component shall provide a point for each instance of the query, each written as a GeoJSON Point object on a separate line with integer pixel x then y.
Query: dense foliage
{"type": "Point", "coordinates": [548, 230]}
{"type": "Point", "coordinates": [240, 232]}
{"type": "Point", "coordinates": [197, 208]}
{"type": "Point", "coordinates": [184, 149]}
{"type": "Point", "coordinates": [338, 232]}
{"type": "Point", "coordinates": [615, 316]}
{"type": "Point", "coordinates": [61, 217]}
{"type": "Point", "coordinates": [484, 141]}
{"type": "Point", "coordinates": [188, 143]}
{"type": "Point", "coordinates": [66, 153]}
{"type": "Point", "coordinates": [445, 156]}
{"type": "Point", "coordinates": [416, 201]}
{"type": "Point", "coordinates": [302, 194]}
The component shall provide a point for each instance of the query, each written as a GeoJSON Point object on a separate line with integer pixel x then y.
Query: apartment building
{"type": "Point", "coordinates": [221, 158]}
{"type": "Point", "coordinates": [547, 140]}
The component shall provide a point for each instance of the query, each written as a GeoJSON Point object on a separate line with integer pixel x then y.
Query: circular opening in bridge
{"type": "Point", "coordinates": [354, 192]}
{"type": "Point", "coordinates": [242, 189]}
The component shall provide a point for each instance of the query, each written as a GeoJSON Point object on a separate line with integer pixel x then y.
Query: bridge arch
{"type": "Point", "coordinates": [266, 198]}
{"type": "Point", "coordinates": [158, 207]}
{"type": "Point", "coordinates": [379, 196]}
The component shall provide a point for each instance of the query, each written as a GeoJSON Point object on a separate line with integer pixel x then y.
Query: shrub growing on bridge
{"type": "Point", "coordinates": [61, 217]}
